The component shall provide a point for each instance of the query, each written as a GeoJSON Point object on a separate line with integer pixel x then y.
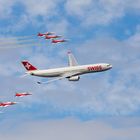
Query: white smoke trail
{"type": "Point", "coordinates": [17, 37]}
{"type": "Point", "coordinates": [10, 42]}
{"type": "Point", "coordinates": [18, 42]}
{"type": "Point", "coordinates": [19, 46]}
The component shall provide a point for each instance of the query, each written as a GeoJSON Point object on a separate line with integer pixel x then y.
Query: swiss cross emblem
{"type": "Point", "coordinates": [27, 66]}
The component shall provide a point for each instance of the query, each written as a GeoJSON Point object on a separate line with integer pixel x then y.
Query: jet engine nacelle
{"type": "Point", "coordinates": [74, 78]}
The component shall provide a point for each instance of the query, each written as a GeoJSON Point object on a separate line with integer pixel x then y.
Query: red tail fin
{"type": "Point", "coordinates": [28, 66]}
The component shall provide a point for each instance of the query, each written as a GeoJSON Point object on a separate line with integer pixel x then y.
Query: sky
{"type": "Point", "coordinates": [101, 106]}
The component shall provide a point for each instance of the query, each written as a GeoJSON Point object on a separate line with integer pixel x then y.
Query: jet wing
{"type": "Point", "coordinates": [59, 78]}
{"type": "Point", "coordinates": [5, 106]}
{"type": "Point", "coordinates": [50, 81]}
{"type": "Point", "coordinates": [71, 60]}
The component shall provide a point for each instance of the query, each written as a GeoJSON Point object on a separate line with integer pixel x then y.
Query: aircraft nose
{"type": "Point", "coordinates": [110, 66]}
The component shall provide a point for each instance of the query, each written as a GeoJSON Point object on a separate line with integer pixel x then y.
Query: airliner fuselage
{"type": "Point", "coordinates": [76, 70]}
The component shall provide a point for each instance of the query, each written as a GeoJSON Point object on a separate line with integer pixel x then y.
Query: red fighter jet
{"type": "Point", "coordinates": [58, 41]}
{"type": "Point", "coordinates": [22, 94]}
{"type": "Point", "coordinates": [44, 34]}
{"type": "Point", "coordinates": [6, 104]}
{"type": "Point", "coordinates": [52, 36]}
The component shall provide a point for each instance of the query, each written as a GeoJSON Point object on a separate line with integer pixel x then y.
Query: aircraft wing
{"type": "Point", "coordinates": [71, 60]}
{"type": "Point", "coordinates": [59, 78]}
{"type": "Point", "coordinates": [50, 81]}
{"type": "Point", "coordinates": [5, 106]}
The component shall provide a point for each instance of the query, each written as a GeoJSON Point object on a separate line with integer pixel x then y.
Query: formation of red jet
{"type": "Point", "coordinates": [50, 35]}
{"type": "Point", "coordinates": [47, 36]}
{"type": "Point", "coordinates": [21, 94]}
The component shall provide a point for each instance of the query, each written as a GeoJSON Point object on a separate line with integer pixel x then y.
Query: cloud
{"type": "Point", "coordinates": [6, 8]}
{"type": "Point", "coordinates": [87, 13]}
{"type": "Point", "coordinates": [43, 8]}
{"type": "Point", "coordinates": [103, 12]}
{"type": "Point", "coordinates": [111, 93]}
{"type": "Point", "coordinates": [70, 129]}
{"type": "Point", "coordinates": [96, 12]}
{"type": "Point", "coordinates": [116, 95]}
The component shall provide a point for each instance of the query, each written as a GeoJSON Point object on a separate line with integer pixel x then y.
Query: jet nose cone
{"type": "Point", "coordinates": [13, 103]}
{"type": "Point", "coordinates": [110, 66]}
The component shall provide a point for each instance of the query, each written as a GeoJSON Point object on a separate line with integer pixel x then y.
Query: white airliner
{"type": "Point", "coordinates": [72, 72]}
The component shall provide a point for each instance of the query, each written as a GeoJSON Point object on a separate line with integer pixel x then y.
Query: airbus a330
{"type": "Point", "coordinates": [72, 72]}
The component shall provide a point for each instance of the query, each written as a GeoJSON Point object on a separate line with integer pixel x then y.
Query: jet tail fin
{"type": "Point", "coordinates": [28, 66]}
{"type": "Point", "coordinates": [71, 59]}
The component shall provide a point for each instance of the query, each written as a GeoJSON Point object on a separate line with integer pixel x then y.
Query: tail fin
{"type": "Point", "coordinates": [28, 66]}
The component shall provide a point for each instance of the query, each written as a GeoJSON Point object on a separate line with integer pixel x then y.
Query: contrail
{"type": "Point", "coordinates": [18, 42]}
{"type": "Point", "coordinates": [11, 42]}
{"type": "Point", "coordinates": [19, 46]}
{"type": "Point", "coordinates": [17, 37]}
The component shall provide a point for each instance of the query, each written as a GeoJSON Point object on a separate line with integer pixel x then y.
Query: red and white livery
{"type": "Point", "coordinates": [45, 34]}
{"type": "Point", "coordinates": [6, 104]}
{"type": "Point", "coordinates": [72, 72]}
{"type": "Point", "coordinates": [22, 94]}
{"type": "Point", "coordinates": [52, 36]}
{"type": "Point", "coordinates": [59, 41]}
